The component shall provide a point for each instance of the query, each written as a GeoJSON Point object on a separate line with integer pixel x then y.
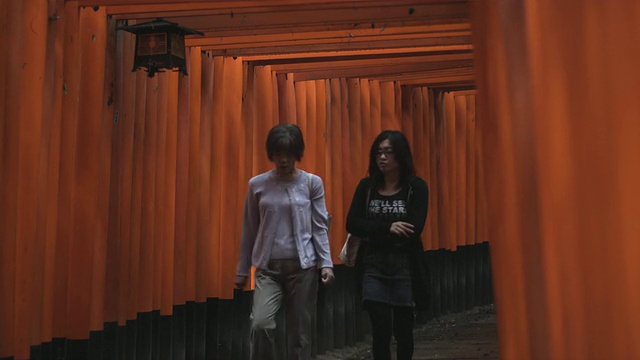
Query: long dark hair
{"type": "Point", "coordinates": [402, 154]}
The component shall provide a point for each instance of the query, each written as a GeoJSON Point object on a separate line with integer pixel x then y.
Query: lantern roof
{"type": "Point", "coordinates": [159, 25]}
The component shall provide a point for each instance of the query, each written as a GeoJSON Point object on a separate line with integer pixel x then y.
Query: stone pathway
{"type": "Point", "coordinates": [468, 335]}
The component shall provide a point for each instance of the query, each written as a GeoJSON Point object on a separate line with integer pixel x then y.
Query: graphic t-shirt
{"type": "Point", "coordinates": [388, 208]}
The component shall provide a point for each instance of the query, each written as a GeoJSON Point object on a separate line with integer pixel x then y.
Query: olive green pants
{"type": "Point", "coordinates": [284, 283]}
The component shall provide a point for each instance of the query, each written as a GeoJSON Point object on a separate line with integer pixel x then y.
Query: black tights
{"type": "Point", "coordinates": [382, 324]}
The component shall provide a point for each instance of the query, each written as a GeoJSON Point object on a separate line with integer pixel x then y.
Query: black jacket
{"type": "Point", "coordinates": [378, 230]}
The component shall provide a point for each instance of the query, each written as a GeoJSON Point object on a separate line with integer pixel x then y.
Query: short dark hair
{"type": "Point", "coordinates": [401, 151]}
{"type": "Point", "coordinates": [285, 138]}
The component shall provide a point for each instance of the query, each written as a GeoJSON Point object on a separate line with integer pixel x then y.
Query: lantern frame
{"type": "Point", "coordinates": [159, 45]}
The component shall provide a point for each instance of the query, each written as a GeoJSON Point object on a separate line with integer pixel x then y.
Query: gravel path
{"type": "Point", "coordinates": [468, 335]}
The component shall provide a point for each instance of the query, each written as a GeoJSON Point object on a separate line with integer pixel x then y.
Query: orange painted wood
{"type": "Point", "coordinates": [274, 92]}
{"type": "Point", "coordinates": [397, 89]}
{"type": "Point", "coordinates": [286, 100]}
{"type": "Point", "coordinates": [135, 269]}
{"type": "Point", "coordinates": [291, 113]}
{"type": "Point", "coordinates": [31, 138]}
{"type": "Point", "coordinates": [441, 197]}
{"type": "Point", "coordinates": [160, 190]}
{"type": "Point", "coordinates": [169, 199]}
{"type": "Point", "coordinates": [375, 115]}
{"type": "Point", "coordinates": [451, 175]}
{"type": "Point", "coordinates": [233, 140]}
{"type": "Point", "coordinates": [31, 132]}
{"type": "Point", "coordinates": [418, 141]}
{"type": "Point", "coordinates": [263, 116]}
{"type": "Point", "coordinates": [451, 40]}
{"type": "Point", "coordinates": [208, 177]}
{"type": "Point", "coordinates": [247, 151]}
{"type": "Point", "coordinates": [40, 268]}
{"type": "Point", "coordinates": [460, 105]}
{"type": "Point", "coordinates": [195, 89]}
{"type": "Point", "coordinates": [347, 54]}
{"type": "Point", "coordinates": [482, 209]}
{"type": "Point", "coordinates": [127, 123]}
{"type": "Point", "coordinates": [430, 176]}
{"type": "Point", "coordinates": [193, 6]}
{"type": "Point", "coordinates": [218, 148]}
{"type": "Point", "coordinates": [160, 198]}
{"type": "Point", "coordinates": [104, 39]}
{"type": "Point", "coordinates": [52, 100]}
{"type": "Point", "coordinates": [354, 125]}
{"type": "Point", "coordinates": [336, 181]}
{"type": "Point", "coordinates": [305, 18]}
{"type": "Point", "coordinates": [311, 149]}
{"type": "Point", "coordinates": [564, 142]}
{"type": "Point", "coordinates": [11, 18]}
{"type": "Point", "coordinates": [471, 171]}
{"type": "Point", "coordinates": [349, 163]}
{"type": "Point", "coordinates": [321, 130]}
{"type": "Point", "coordinates": [347, 60]}
{"type": "Point", "coordinates": [4, 63]}
{"type": "Point", "coordinates": [147, 215]}
{"type": "Point", "coordinates": [418, 72]}
{"type": "Point", "coordinates": [359, 159]}
{"type": "Point", "coordinates": [351, 35]}
{"type": "Point", "coordinates": [496, 137]}
{"type": "Point", "coordinates": [406, 118]}
{"type": "Point", "coordinates": [387, 95]}
{"type": "Point", "coordinates": [300, 95]}
{"type": "Point", "coordinates": [112, 268]}
{"type": "Point", "coordinates": [182, 189]}
{"type": "Point", "coordinates": [365, 116]}
{"type": "Point", "coordinates": [70, 96]}
{"type": "Point", "coordinates": [84, 209]}
{"type": "Point", "coordinates": [509, 198]}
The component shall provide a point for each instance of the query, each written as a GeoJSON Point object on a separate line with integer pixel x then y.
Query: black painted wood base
{"type": "Point", "coordinates": [219, 329]}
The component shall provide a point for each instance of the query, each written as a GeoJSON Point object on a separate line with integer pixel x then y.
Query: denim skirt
{"type": "Point", "coordinates": [387, 279]}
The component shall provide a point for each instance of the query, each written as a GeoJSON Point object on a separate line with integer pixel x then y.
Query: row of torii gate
{"type": "Point", "coordinates": [116, 188]}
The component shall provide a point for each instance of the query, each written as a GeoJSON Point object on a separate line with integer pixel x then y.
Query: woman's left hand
{"type": "Point", "coordinates": [401, 228]}
{"type": "Point", "coordinates": [327, 276]}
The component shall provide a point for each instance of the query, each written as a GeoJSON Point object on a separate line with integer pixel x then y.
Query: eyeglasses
{"type": "Point", "coordinates": [386, 152]}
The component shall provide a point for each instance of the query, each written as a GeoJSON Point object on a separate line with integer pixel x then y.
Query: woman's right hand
{"type": "Point", "coordinates": [401, 228]}
{"type": "Point", "coordinates": [240, 281]}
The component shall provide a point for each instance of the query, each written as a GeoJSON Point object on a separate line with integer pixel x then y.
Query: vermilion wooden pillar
{"type": "Point", "coordinates": [558, 93]}
{"type": "Point", "coordinates": [232, 191]}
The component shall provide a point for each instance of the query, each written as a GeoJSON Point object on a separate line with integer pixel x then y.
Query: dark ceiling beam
{"type": "Point", "coordinates": [345, 43]}
{"type": "Point", "coordinates": [304, 18]}
{"type": "Point", "coordinates": [382, 71]}
{"type": "Point", "coordinates": [390, 61]}
{"type": "Point", "coordinates": [230, 40]}
{"type": "Point", "coordinates": [131, 6]}
{"type": "Point", "coordinates": [145, 9]}
{"type": "Point", "coordinates": [439, 43]}
{"type": "Point", "coordinates": [444, 73]}
{"type": "Point", "coordinates": [441, 81]}
{"type": "Point", "coordinates": [290, 58]}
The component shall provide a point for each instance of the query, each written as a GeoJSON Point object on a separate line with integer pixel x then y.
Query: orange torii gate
{"type": "Point", "coordinates": [121, 195]}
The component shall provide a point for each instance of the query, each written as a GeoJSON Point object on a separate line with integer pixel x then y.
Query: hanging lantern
{"type": "Point", "coordinates": [160, 45]}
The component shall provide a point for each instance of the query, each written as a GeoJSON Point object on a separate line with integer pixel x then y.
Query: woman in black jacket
{"type": "Point", "coordinates": [389, 210]}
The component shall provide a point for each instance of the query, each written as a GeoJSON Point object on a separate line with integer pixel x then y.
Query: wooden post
{"type": "Point", "coordinates": [559, 131]}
